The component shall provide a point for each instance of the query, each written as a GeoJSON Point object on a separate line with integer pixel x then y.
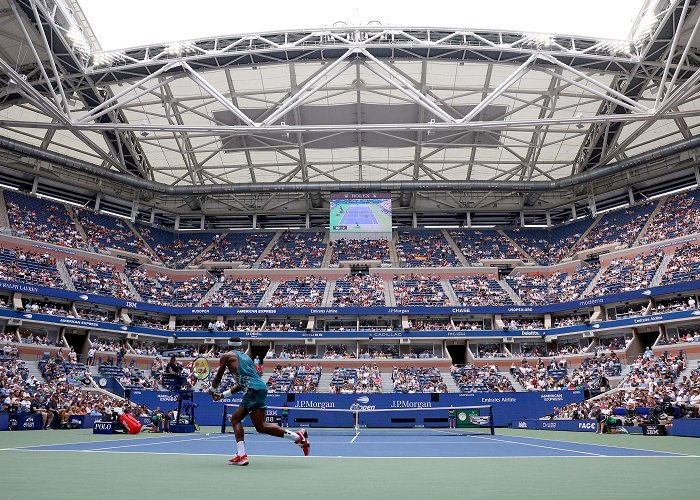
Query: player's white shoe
{"type": "Point", "coordinates": [304, 441]}
{"type": "Point", "coordinates": [239, 460]}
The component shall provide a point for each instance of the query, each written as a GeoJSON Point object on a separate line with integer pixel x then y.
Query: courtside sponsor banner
{"type": "Point", "coordinates": [377, 335]}
{"type": "Point", "coordinates": [365, 311]}
{"type": "Point", "coordinates": [567, 425]}
{"type": "Point", "coordinates": [507, 407]}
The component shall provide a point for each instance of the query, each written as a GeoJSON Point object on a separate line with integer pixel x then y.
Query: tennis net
{"type": "Point", "coordinates": [458, 420]}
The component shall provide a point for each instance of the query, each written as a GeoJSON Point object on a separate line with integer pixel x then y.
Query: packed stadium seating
{"type": "Point", "coordinates": [680, 215]}
{"type": "Point", "coordinates": [29, 267]}
{"type": "Point", "coordinates": [294, 379]}
{"type": "Point", "coordinates": [164, 290]}
{"type": "Point", "coordinates": [684, 265]}
{"type": "Point", "coordinates": [175, 249]}
{"type": "Point", "coordinates": [479, 290]}
{"type": "Point", "coordinates": [363, 380]}
{"type": "Point", "coordinates": [301, 292]}
{"type": "Point", "coordinates": [346, 249]}
{"type": "Point", "coordinates": [359, 291]}
{"type": "Point", "coordinates": [559, 287]}
{"type": "Point", "coordinates": [296, 249]}
{"type": "Point", "coordinates": [237, 247]}
{"type": "Point", "coordinates": [98, 278]}
{"type": "Point", "coordinates": [549, 246]}
{"type": "Point", "coordinates": [626, 274]}
{"type": "Point", "coordinates": [414, 290]}
{"type": "Point", "coordinates": [104, 231]}
{"type": "Point", "coordinates": [481, 244]}
{"type": "Point", "coordinates": [41, 220]}
{"type": "Point", "coordinates": [413, 380]}
{"type": "Point", "coordinates": [424, 248]}
{"type": "Point", "coordinates": [470, 378]}
{"type": "Point", "coordinates": [621, 226]}
{"type": "Point", "coordinates": [238, 292]}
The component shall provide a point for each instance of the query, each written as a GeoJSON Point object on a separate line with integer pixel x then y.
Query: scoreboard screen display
{"type": "Point", "coordinates": [361, 212]}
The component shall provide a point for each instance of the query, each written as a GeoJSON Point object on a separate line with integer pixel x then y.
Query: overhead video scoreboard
{"type": "Point", "coordinates": [360, 215]}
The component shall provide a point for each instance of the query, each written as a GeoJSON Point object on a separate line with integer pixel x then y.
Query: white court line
{"type": "Point", "coordinates": [149, 444]}
{"type": "Point", "coordinates": [540, 446]}
{"type": "Point", "coordinates": [95, 442]}
{"type": "Point", "coordinates": [610, 446]}
{"type": "Point", "coordinates": [353, 439]}
{"type": "Point", "coordinates": [351, 457]}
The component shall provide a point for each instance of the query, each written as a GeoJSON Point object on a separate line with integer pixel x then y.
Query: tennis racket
{"type": "Point", "coordinates": [201, 368]}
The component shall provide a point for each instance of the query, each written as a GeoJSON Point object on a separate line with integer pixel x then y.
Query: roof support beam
{"type": "Point", "coordinates": [500, 89]}
{"type": "Point", "coordinates": [308, 89]}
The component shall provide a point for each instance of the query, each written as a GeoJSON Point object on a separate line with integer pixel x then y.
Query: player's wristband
{"type": "Point", "coordinates": [226, 393]}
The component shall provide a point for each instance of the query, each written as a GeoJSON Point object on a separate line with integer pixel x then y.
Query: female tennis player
{"type": "Point", "coordinates": [253, 404]}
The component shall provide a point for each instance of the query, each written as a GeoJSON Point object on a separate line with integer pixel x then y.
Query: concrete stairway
{"type": "Point", "coordinates": [4, 219]}
{"type": "Point", "coordinates": [389, 293]}
{"type": "Point", "coordinates": [210, 292]}
{"type": "Point", "coordinates": [329, 252]}
{"type": "Point", "coordinates": [138, 235]}
{"type": "Point", "coordinates": [324, 382]}
{"type": "Point", "coordinates": [387, 383]}
{"type": "Point", "coordinates": [514, 382]}
{"type": "Point", "coordinates": [33, 369]}
{"type": "Point", "coordinates": [134, 293]}
{"type": "Point", "coordinates": [327, 300]}
{"type": "Point", "coordinates": [656, 281]}
{"type": "Point", "coordinates": [268, 293]}
{"type": "Point", "coordinates": [455, 248]}
{"type": "Point", "coordinates": [449, 291]}
{"type": "Point", "coordinates": [78, 226]}
{"type": "Point", "coordinates": [392, 251]}
{"type": "Point", "coordinates": [593, 282]}
{"type": "Point", "coordinates": [449, 381]}
{"type": "Point", "coordinates": [65, 275]}
{"type": "Point", "coordinates": [652, 216]}
{"type": "Point", "coordinates": [268, 249]}
{"type": "Point", "coordinates": [516, 245]}
{"type": "Point", "coordinates": [586, 232]}
{"type": "Point", "coordinates": [511, 293]}
{"type": "Point", "coordinates": [204, 251]}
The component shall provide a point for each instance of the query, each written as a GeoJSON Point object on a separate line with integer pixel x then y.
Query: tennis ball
{"type": "Point", "coordinates": [206, 435]}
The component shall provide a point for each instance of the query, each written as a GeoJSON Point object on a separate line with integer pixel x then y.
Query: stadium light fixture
{"type": "Point", "coordinates": [107, 58]}
{"type": "Point", "coordinates": [115, 214]}
{"type": "Point", "coordinates": [78, 40]}
{"type": "Point", "coordinates": [617, 46]}
{"type": "Point", "coordinates": [539, 39]}
{"type": "Point", "coordinates": [60, 200]}
{"type": "Point", "coordinates": [179, 48]}
{"type": "Point", "coordinates": [646, 25]}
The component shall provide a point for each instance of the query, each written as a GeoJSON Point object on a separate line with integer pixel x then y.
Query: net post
{"type": "Point", "coordinates": [223, 421]}
{"type": "Point", "coordinates": [493, 431]}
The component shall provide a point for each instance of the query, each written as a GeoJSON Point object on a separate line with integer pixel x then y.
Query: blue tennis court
{"type": "Point", "coordinates": [367, 444]}
{"type": "Point", "coordinates": [359, 215]}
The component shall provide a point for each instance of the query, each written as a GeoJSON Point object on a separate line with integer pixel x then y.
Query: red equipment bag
{"type": "Point", "coordinates": [130, 423]}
